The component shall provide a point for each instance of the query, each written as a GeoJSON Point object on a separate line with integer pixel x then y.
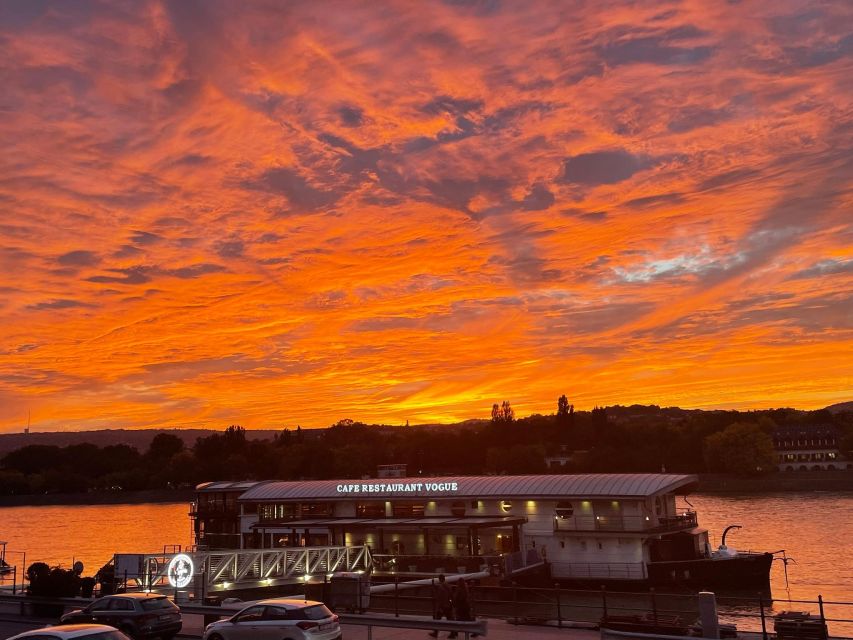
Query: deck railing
{"type": "Point", "coordinates": [624, 523]}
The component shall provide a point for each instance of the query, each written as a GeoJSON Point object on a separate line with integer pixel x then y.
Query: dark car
{"type": "Point", "coordinates": [138, 615]}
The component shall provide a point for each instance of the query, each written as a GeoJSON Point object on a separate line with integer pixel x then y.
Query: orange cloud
{"type": "Point", "coordinates": [269, 215]}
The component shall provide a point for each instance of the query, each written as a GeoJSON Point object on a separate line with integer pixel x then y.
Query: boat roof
{"type": "Point", "coordinates": [580, 486]}
{"type": "Point", "coordinates": [227, 485]}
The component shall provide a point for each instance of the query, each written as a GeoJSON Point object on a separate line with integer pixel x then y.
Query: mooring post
{"type": "Point", "coordinates": [559, 609]}
{"type": "Point", "coordinates": [654, 605]}
{"type": "Point", "coordinates": [14, 579]}
{"type": "Point", "coordinates": [603, 602]}
{"type": "Point", "coordinates": [515, 600]}
{"type": "Point", "coordinates": [396, 597]}
{"type": "Point", "coordinates": [708, 615]}
{"type": "Point", "coordinates": [763, 619]}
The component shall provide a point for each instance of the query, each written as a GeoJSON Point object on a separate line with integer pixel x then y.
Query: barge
{"type": "Point", "coordinates": [577, 530]}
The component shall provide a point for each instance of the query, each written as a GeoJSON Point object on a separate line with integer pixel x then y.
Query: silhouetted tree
{"type": "Point", "coordinates": [507, 411]}
{"type": "Point", "coordinates": [496, 413]}
{"type": "Point", "coordinates": [565, 411]}
{"type": "Point", "coordinates": [164, 446]}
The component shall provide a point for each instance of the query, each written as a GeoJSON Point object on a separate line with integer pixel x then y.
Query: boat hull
{"type": "Point", "coordinates": [746, 571]}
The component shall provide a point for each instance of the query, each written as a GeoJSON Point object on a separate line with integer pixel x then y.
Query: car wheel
{"type": "Point", "coordinates": [215, 636]}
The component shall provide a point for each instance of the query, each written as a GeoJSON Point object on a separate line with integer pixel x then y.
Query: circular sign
{"type": "Point", "coordinates": [180, 571]}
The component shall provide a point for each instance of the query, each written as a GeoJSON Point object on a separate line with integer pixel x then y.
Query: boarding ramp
{"type": "Point", "coordinates": [225, 570]}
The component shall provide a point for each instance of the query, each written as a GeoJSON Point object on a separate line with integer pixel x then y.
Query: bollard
{"type": "Point", "coordinates": [559, 609]}
{"type": "Point", "coordinates": [654, 605]}
{"type": "Point", "coordinates": [763, 619]}
{"type": "Point", "coordinates": [14, 579]}
{"type": "Point", "coordinates": [396, 597]}
{"type": "Point", "coordinates": [708, 615]}
{"type": "Point", "coordinates": [603, 602]}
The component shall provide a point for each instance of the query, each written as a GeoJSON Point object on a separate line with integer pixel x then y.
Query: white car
{"type": "Point", "coordinates": [278, 619]}
{"type": "Point", "coordinates": [73, 632]}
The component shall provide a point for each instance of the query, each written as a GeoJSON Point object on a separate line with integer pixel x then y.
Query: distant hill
{"type": "Point", "coordinates": [840, 407]}
{"type": "Point", "coordinates": [137, 438]}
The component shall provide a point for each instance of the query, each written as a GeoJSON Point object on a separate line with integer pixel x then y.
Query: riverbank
{"type": "Point", "coordinates": [777, 482]}
{"type": "Point", "coordinates": [159, 496]}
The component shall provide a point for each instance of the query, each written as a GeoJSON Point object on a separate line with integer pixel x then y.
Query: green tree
{"type": "Point", "coordinates": [742, 447]}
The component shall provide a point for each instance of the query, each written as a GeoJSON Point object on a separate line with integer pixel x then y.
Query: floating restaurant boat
{"type": "Point", "coordinates": [585, 529]}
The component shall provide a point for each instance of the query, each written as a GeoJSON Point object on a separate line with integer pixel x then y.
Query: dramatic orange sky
{"type": "Point", "coordinates": [272, 213]}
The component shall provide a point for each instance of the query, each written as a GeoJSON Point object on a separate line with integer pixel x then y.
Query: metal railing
{"type": "Point", "coordinates": [434, 564]}
{"type": "Point", "coordinates": [229, 569]}
{"type": "Point", "coordinates": [599, 570]}
{"type": "Point", "coordinates": [557, 607]}
{"type": "Point", "coordinates": [625, 523]}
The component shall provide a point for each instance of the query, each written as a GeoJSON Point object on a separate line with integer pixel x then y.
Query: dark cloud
{"type": "Point", "coordinates": [145, 238]}
{"type": "Point", "coordinates": [193, 271]}
{"type": "Point", "coordinates": [132, 275]}
{"type": "Point", "coordinates": [351, 116]}
{"type": "Point", "coordinates": [602, 167]}
{"type": "Point", "coordinates": [658, 50]}
{"type": "Point", "coordinates": [588, 216]}
{"type": "Point", "coordinates": [691, 118]}
{"type": "Point", "coordinates": [230, 248]}
{"type": "Point", "coordinates": [191, 160]}
{"type": "Point", "coordinates": [653, 201]}
{"type": "Point", "coordinates": [62, 303]}
{"type": "Point", "coordinates": [728, 178]}
{"type": "Point", "coordinates": [79, 259]}
{"type": "Point", "coordinates": [820, 54]}
{"type": "Point", "coordinates": [301, 195]}
{"type": "Point", "coordinates": [451, 105]}
{"type": "Point", "coordinates": [142, 274]}
{"type": "Point", "coordinates": [538, 198]}
{"type": "Point", "coordinates": [127, 251]}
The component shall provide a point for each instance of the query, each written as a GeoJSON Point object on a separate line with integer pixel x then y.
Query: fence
{"type": "Point", "coordinates": [574, 607]}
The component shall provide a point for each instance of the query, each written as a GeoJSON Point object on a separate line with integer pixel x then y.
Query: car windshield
{"type": "Point", "coordinates": [317, 612]}
{"type": "Point", "coordinates": [154, 604]}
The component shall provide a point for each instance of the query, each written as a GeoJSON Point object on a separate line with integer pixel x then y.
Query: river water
{"type": "Point", "coordinates": [814, 528]}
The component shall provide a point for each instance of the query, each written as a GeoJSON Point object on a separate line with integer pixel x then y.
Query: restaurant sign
{"type": "Point", "coordinates": [398, 487]}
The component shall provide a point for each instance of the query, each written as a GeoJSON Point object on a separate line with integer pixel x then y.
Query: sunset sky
{"type": "Point", "coordinates": [281, 213]}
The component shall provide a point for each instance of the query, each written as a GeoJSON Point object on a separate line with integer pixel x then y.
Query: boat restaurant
{"type": "Point", "coordinates": [584, 525]}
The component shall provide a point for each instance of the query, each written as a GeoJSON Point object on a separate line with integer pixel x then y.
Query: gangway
{"type": "Point", "coordinates": [228, 569]}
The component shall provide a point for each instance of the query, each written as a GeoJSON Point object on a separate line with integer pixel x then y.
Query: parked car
{"type": "Point", "coordinates": [278, 619]}
{"type": "Point", "coordinates": [73, 632]}
{"type": "Point", "coordinates": [138, 615]}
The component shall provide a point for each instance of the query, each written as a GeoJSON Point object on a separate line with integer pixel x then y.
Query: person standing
{"type": "Point", "coordinates": [442, 600]}
{"type": "Point", "coordinates": [463, 603]}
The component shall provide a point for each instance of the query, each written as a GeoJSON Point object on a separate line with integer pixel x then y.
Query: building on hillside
{"type": "Point", "coordinates": [809, 448]}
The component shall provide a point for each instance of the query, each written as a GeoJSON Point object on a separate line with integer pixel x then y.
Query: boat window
{"type": "Point", "coordinates": [370, 509]}
{"type": "Point", "coordinates": [316, 509]}
{"type": "Point", "coordinates": [409, 509]}
{"type": "Point", "coordinates": [457, 509]}
{"type": "Point", "coordinates": [564, 510]}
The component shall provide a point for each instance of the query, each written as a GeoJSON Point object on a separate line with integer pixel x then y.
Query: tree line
{"type": "Point", "coordinates": [613, 439]}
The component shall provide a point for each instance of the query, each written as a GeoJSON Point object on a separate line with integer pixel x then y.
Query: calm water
{"type": "Point", "coordinates": [815, 529]}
